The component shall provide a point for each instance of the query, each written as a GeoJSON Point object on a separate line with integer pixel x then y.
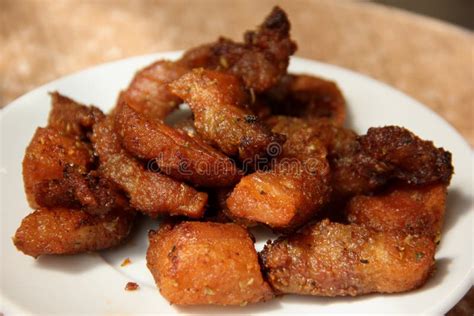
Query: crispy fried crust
{"type": "Point", "coordinates": [68, 231]}
{"type": "Point", "coordinates": [177, 154]}
{"type": "Point", "coordinates": [308, 97]}
{"type": "Point", "coordinates": [296, 187]}
{"type": "Point", "coordinates": [72, 118]}
{"type": "Point", "coordinates": [90, 192]}
{"type": "Point", "coordinates": [414, 161]}
{"type": "Point", "coordinates": [149, 192]}
{"type": "Point", "coordinates": [260, 61]}
{"type": "Point", "coordinates": [414, 210]}
{"type": "Point", "coordinates": [330, 259]}
{"type": "Point", "coordinates": [197, 263]}
{"type": "Point", "coordinates": [148, 92]}
{"type": "Point", "coordinates": [48, 153]}
{"type": "Point", "coordinates": [360, 165]}
{"type": "Point", "coordinates": [220, 114]}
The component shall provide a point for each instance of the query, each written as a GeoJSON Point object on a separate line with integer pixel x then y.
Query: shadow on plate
{"type": "Point", "coordinates": [458, 205]}
{"type": "Point", "coordinates": [442, 270]}
{"type": "Point", "coordinates": [69, 264]}
{"type": "Point", "coordinates": [263, 307]}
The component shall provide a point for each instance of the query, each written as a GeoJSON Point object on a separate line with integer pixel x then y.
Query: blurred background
{"type": "Point", "coordinates": [460, 12]}
{"type": "Point", "coordinates": [424, 47]}
{"type": "Point", "coordinates": [428, 59]}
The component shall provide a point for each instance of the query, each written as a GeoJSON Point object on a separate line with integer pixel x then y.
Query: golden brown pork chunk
{"type": "Point", "coordinates": [260, 61]}
{"type": "Point", "coordinates": [296, 187]}
{"type": "Point", "coordinates": [177, 154]}
{"type": "Point", "coordinates": [148, 92]}
{"type": "Point", "coordinates": [48, 153]}
{"type": "Point", "coordinates": [72, 118]}
{"type": "Point", "coordinates": [330, 259]}
{"type": "Point", "coordinates": [68, 231]}
{"type": "Point", "coordinates": [221, 117]}
{"type": "Point", "coordinates": [196, 263]}
{"type": "Point", "coordinates": [415, 210]}
{"type": "Point", "coordinates": [308, 97]}
{"type": "Point", "coordinates": [150, 192]}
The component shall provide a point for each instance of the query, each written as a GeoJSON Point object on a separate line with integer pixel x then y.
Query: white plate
{"type": "Point", "coordinates": [94, 283]}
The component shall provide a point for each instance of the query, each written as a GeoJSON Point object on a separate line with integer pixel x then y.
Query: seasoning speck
{"type": "Point", "coordinates": [419, 256]}
{"type": "Point", "coordinates": [131, 286]}
{"type": "Point", "coordinates": [364, 261]}
{"type": "Point", "coordinates": [126, 262]}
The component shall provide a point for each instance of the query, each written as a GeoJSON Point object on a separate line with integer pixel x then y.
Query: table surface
{"type": "Point", "coordinates": [427, 59]}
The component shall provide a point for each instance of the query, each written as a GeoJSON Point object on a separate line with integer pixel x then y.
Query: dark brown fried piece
{"type": "Point", "coordinates": [48, 153]}
{"type": "Point", "coordinates": [69, 231]}
{"type": "Point", "coordinates": [330, 259]}
{"type": "Point", "coordinates": [414, 210]}
{"type": "Point", "coordinates": [196, 263]}
{"type": "Point", "coordinates": [360, 165]}
{"type": "Point", "coordinates": [72, 118]}
{"type": "Point", "coordinates": [260, 61]}
{"type": "Point", "coordinates": [414, 161]}
{"type": "Point", "coordinates": [176, 154]}
{"type": "Point", "coordinates": [218, 102]}
{"type": "Point", "coordinates": [90, 192]}
{"type": "Point", "coordinates": [308, 97]}
{"type": "Point", "coordinates": [296, 187]}
{"type": "Point", "coordinates": [148, 92]}
{"type": "Point", "coordinates": [149, 192]}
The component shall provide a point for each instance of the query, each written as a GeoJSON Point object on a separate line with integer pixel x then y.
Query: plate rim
{"type": "Point", "coordinates": [455, 294]}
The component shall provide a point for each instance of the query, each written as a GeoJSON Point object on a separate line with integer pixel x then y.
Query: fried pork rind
{"type": "Point", "coordinates": [148, 92]}
{"type": "Point", "coordinates": [415, 210]}
{"type": "Point", "coordinates": [330, 259]}
{"type": "Point", "coordinates": [63, 231]}
{"type": "Point", "coordinates": [221, 117]}
{"type": "Point", "coordinates": [260, 61]}
{"type": "Point", "coordinates": [414, 161]}
{"type": "Point", "coordinates": [296, 187]}
{"type": "Point", "coordinates": [363, 164]}
{"type": "Point", "coordinates": [72, 118]}
{"type": "Point", "coordinates": [308, 97]}
{"type": "Point", "coordinates": [177, 154]}
{"type": "Point", "coordinates": [197, 263]}
{"type": "Point", "coordinates": [90, 192]}
{"type": "Point", "coordinates": [149, 192]}
{"type": "Point", "coordinates": [48, 153]}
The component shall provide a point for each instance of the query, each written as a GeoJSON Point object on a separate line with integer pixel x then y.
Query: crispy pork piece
{"type": "Point", "coordinates": [364, 164]}
{"type": "Point", "coordinates": [90, 192]}
{"type": "Point", "coordinates": [414, 161]}
{"type": "Point", "coordinates": [260, 61]}
{"type": "Point", "coordinates": [295, 188]}
{"type": "Point", "coordinates": [415, 210]}
{"type": "Point", "coordinates": [67, 231]}
{"type": "Point", "coordinates": [177, 154]}
{"type": "Point", "coordinates": [197, 263]}
{"type": "Point", "coordinates": [221, 117]}
{"type": "Point", "coordinates": [148, 92]}
{"type": "Point", "coordinates": [308, 97]}
{"type": "Point", "coordinates": [48, 153]}
{"type": "Point", "coordinates": [150, 192]}
{"type": "Point", "coordinates": [72, 118]}
{"type": "Point", "coordinates": [330, 259]}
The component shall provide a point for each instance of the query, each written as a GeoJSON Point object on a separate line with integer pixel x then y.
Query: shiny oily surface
{"type": "Point", "coordinates": [98, 278]}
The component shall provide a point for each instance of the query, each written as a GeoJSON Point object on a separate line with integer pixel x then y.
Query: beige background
{"type": "Point", "coordinates": [431, 61]}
